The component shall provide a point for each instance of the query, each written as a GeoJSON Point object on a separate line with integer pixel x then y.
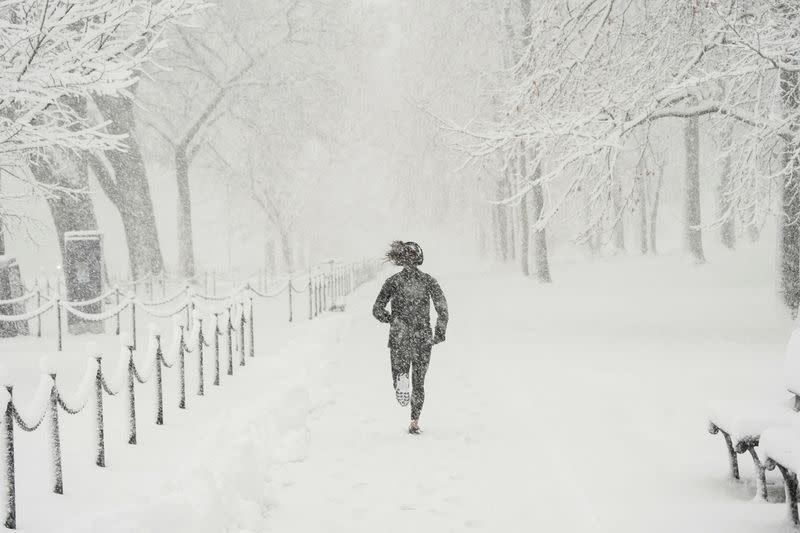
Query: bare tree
{"type": "Point", "coordinates": [212, 90]}
{"type": "Point", "coordinates": [54, 51]}
{"type": "Point", "coordinates": [692, 217]}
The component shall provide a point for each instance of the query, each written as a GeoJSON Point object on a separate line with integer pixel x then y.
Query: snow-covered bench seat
{"type": "Point", "coordinates": [742, 427]}
{"type": "Point", "coordinates": [781, 448]}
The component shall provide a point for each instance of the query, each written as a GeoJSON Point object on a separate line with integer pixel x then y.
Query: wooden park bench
{"type": "Point", "coordinates": [742, 428]}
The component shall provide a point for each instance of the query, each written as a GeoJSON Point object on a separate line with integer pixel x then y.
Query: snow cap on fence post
{"type": "Point", "coordinates": [132, 298]}
{"type": "Point", "coordinates": [47, 365]}
{"type": "Point", "coordinates": [5, 386]}
{"type": "Point", "coordinates": [93, 349]}
{"type": "Point", "coordinates": [153, 336]}
{"type": "Point", "coordinates": [125, 340]}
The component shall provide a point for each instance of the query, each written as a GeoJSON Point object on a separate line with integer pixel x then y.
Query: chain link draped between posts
{"type": "Point", "coordinates": [131, 369]}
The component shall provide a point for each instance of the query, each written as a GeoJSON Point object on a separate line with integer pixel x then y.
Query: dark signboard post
{"type": "Point", "coordinates": [11, 287]}
{"type": "Point", "coordinates": [83, 274]}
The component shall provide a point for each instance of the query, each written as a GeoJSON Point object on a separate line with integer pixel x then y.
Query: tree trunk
{"type": "Point", "coordinates": [540, 235]}
{"type": "Point", "coordinates": [511, 215]}
{"type": "Point", "coordinates": [654, 211]}
{"type": "Point", "coordinates": [524, 219]}
{"type": "Point", "coordinates": [642, 211]}
{"type": "Point", "coordinates": [501, 226]}
{"type": "Point", "coordinates": [591, 237]}
{"type": "Point", "coordinates": [525, 235]}
{"type": "Point", "coordinates": [480, 221]}
{"type": "Point", "coordinates": [728, 228]}
{"type": "Point", "coordinates": [185, 242]}
{"type": "Point", "coordinates": [270, 263]}
{"type": "Point", "coordinates": [286, 249]}
{"type": "Point", "coordinates": [72, 211]}
{"type": "Point", "coordinates": [618, 232]}
{"type": "Point", "coordinates": [519, 219]}
{"type": "Point", "coordinates": [693, 235]}
{"type": "Point", "coordinates": [754, 232]}
{"type": "Point", "coordinates": [790, 226]}
{"type": "Point", "coordinates": [2, 228]}
{"type": "Point", "coordinates": [129, 189]}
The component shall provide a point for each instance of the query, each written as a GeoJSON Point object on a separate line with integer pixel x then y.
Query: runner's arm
{"type": "Point", "coordinates": [379, 309]}
{"type": "Point", "coordinates": [442, 314]}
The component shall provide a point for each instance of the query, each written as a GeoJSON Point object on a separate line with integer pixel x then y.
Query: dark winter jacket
{"type": "Point", "coordinates": [410, 292]}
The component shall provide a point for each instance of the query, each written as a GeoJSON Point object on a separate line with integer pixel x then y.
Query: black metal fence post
{"type": "Point", "coordinates": [58, 322]}
{"type": "Point", "coordinates": [100, 444]}
{"type": "Point", "coordinates": [116, 296]}
{"type": "Point", "coordinates": [159, 383]}
{"type": "Point", "coordinates": [133, 323]}
{"type": "Point", "coordinates": [11, 487]}
{"type": "Point", "coordinates": [131, 399]}
{"type": "Point", "coordinates": [310, 300]}
{"type": "Point", "coordinates": [252, 331]}
{"type": "Point", "coordinates": [291, 306]}
{"type": "Point", "coordinates": [39, 316]}
{"type": "Point", "coordinates": [324, 292]}
{"type": "Point", "coordinates": [242, 322]}
{"type": "Point", "coordinates": [182, 371]}
{"type": "Point", "coordinates": [230, 343]}
{"type": "Point", "coordinates": [200, 341]}
{"type": "Point", "coordinates": [55, 440]}
{"type": "Point", "coordinates": [216, 348]}
{"type": "Point", "coordinates": [316, 297]}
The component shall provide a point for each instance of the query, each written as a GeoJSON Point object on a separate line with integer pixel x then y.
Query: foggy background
{"type": "Point", "coordinates": [338, 121]}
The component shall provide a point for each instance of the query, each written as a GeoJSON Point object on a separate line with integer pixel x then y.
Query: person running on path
{"type": "Point", "coordinates": [410, 292]}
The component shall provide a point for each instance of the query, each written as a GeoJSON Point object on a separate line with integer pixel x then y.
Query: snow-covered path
{"type": "Point", "coordinates": [548, 409]}
{"type": "Point", "coordinates": [571, 407]}
{"type": "Point", "coordinates": [472, 468]}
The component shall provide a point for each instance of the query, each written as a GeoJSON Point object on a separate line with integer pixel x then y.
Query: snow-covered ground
{"type": "Point", "coordinates": [579, 406]}
{"type": "Point", "coordinates": [576, 407]}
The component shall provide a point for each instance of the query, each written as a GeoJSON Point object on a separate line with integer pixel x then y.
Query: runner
{"type": "Point", "coordinates": [410, 292]}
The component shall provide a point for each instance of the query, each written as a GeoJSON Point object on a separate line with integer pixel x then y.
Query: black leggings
{"type": "Point", "coordinates": [409, 357]}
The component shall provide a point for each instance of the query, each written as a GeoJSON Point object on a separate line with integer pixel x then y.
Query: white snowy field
{"type": "Point", "coordinates": [575, 407]}
{"type": "Point", "coordinates": [579, 406]}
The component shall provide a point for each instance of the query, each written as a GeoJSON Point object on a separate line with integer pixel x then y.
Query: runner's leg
{"type": "Point", "coordinates": [401, 362]}
{"type": "Point", "coordinates": [422, 358]}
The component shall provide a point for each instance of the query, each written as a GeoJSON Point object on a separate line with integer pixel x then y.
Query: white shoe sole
{"type": "Point", "coordinates": [402, 390]}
